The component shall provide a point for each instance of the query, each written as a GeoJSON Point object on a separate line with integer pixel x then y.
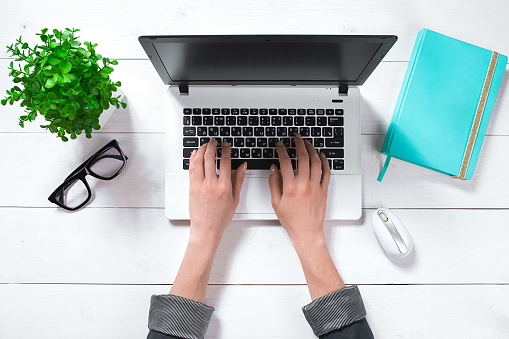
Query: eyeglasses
{"type": "Point", "coordinates": [105, 164]}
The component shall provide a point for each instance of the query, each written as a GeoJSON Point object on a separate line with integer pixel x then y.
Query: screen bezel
{"type": "Point", "coordinates": [385, 41]}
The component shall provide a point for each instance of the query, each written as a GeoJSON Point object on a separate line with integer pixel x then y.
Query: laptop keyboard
{"type": "Point", "coordinates": [254, 132]}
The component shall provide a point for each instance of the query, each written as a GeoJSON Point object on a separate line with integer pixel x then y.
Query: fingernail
{"type": "Point", "coordinates": [244, 168]}
{"type": "Point", "coordinates": [194, 152]}
{"type": "Point", "coordinates": [280, 143]}
{"type": "Point", "coordinates": [225, 144]}
{"type": "Point", "coordinates": [298, 136]}
{"type": "Point", "coordinates": [272, 169]}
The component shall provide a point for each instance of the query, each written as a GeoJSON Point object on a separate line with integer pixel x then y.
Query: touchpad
{"type": "Point", "coordinates": [255, 196]}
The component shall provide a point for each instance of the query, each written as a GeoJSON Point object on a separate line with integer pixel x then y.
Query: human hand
{"type": "Point", "coordinates": [300, 203]}
{"type": "Point", "coordinates": [212, 198]}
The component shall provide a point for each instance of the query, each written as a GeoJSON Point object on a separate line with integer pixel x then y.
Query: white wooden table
{"type": "Point", "coordinates": [90, 274]}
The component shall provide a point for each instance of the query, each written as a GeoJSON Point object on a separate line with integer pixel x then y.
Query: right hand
{"type": "Point", "coordinates": [300, 201]}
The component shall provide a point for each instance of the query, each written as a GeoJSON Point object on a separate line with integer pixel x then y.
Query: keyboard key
{"type": "Point", "coordinates": [327, 131]}
{"type": "Point", "coordinates": [256, 153]}
{"type": "Point", "coordinates": [236, 131]}
{"type": "Point", "coordinates": [225, 111]}
{"type": "Point", "coordinates": [311, 111]}
{"type": "Point", "coordinates": [187, 152]}
{"type": "Point", "coordinates": [219, 120]}
{"type": "Point", "coordinates": [250, 142]}
{"type": "Point", "coordinates": [268, 152]}
{"type": "Point", "coordinates": [333, 152]}
{"type": "Point", "coordinates": [245, 153]}
{"type": "Point", "coordinates": [253, 111]}
{"type": "Point", "coordinates": [282, 111]}
{"type": "Point", "coordinates": [218, 152]}
{"type": "Point", "coordinates": [247, 131]}
{"type": "Point", "coordinates": [253, 121]}
{"type": "Point", "coordinates": [329, 112]}
{"type": "Point", "coordinates": [207, 120]}
{"type": "Point", "coordinates": [299, 121]}
{"type": "Point", "coordinates": [334, 142]}
{"type": "Point", "coordinates": [292, 152]}
{"type": "Point", "coordinates": [239, 142]}
{"type": "Point", "coordinates": [320, 111]}
{"type": "Point", "coordinates": [196, 120]}
{"type": "Point", "coordinates": [310, 121]}
{"type": "Point", "coordinates": [213, 131]}
{"type": "Point", "coordinates": [229, 141]}
{"type": "Point", "coordinates": [190, 142]}
{"type": "Point", "coordinates": [258, 164]}
{"type": "Point", "coordinates": [319, 142]}
{"type": "Point", "coordinates": [273, 111]}
{"type": "Point", "coordinates": [285, 141]}
{"type": "Point", "coordinates": [206, 111]}
{"type": "Point", "coordinates": [244, 111]}
{"type": "Point", "coordinates": [321, 121]}
{"type": "Point", "coordinates": [339, 164]}
{"type": "Point", "coordinates": [292, 111]}
{"type": "Point", "coordinates": [338, 132]}
{"type": "Point", "coordinates": [287, 121]}
{"type": "Point", "coordinates": [197, 111]}
{"type": "Point", "coordinates": [187, 111]}
{"type": "Point", "coordinates": [282, 132]}
{"type": "Point", "coordinates": [264, 111]}
{"type": "Point", "coordinates": [259, 131]}
{"type": "Point", "coordinates": [235, 111]}
{"type": "Point", "coordinates": [216, 111]}
{"type": "Point", "coordinates": [339, 111]}
{"type": "Point", "coordinates": [218, 139]}
{"type": "Point", "coordinates": [276, 121]}
{"type": "Point", "coordinates": [201, 131]}
{"type": "Point", "coordinates": [187, 120]}
{"type": "Point", "coordinates": [235, 152]}
{"type": "Point", "coordinates": [231, 120]}
{"type": "Point", "coordinates": [189, 131]}
{"type": "Point", "coordinates": [292, 131]}
{"type": "Point", "coordinates": [264, 121]}
{"type": "Point", "coordinates": [301, 111]}
{"type": "Point", "coordinates": [330, 163]}
{"type": "Point", "coordinates": [261, 142]}
{"type": "Point", "coordinates": [204, 140]}
{"type": "Point", "coordinates": [304, 131]}
{"type": "Point", "coordinates": [273, 142]}
{"type": "Point", "coordinates": [242, 121]}
{"type": "Point", "coordinates": [270, 131]}
{"type": "Point", "coordinates": [316, 131]}
{"type": "Point", "coordinates": [335, 121]}
{"type": "Point", "coordinates": [186, 164]}
{"type": "Point", "coordinates": [224, 131]}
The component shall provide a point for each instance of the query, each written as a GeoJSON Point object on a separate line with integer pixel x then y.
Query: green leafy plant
{"type": "Point", "coordinates": [62, 80]}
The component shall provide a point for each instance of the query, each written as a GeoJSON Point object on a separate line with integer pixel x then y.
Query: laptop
{"type": "Point", "coordinates": [255, 90]}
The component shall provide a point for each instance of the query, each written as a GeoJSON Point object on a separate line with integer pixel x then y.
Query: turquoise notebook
{"type": "Point", "coordinates": [444, 105]}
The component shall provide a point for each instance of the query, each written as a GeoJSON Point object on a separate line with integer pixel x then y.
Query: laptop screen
{"type": "Point", "coordinates": [254, 59]}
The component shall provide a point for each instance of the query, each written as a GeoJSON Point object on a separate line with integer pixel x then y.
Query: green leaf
{"type": "Point", "coordinates": [65, 66]}
{"type": "Point", "coordinates": [61, 53]}
{"type": "Point", "coordinates": [24, 46]}
{"type": "Point", "coordinates": [105, 104]}
{"type": "Point", "coordinates": [3, 102]}
{"type": "Point", "coordinates": [49, 83]}
{"type": "Point", "coordinates": [57, 33]}
{"type": "Point", "coordinates": [53, 61]}
{"type": "Point", "coordinates": [16, 80]}
{"type": "Point", "coordinates": [114, 62]}
{"type": "Point", "coordinates": [44, 30]}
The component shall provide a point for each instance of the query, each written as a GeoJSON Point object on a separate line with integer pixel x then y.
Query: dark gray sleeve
{"type": "Point", "coordinates": [179, 317]}
{"type": "Point", "coordinates": [335, 310]}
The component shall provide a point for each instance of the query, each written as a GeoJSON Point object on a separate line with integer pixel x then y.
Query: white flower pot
{"type": "Point", "coordinates": [106, 114]}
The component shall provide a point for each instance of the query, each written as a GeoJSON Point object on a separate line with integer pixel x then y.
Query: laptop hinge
{"type": "Point", "coordinates": [343, 89]}
{"type": "Point", "coordinates": [184, 89]}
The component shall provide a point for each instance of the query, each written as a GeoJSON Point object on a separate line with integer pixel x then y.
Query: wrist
{"type": "Point", "coordinates": [206, 241]}
{"type": "Point", "coordinates": [304, 242]}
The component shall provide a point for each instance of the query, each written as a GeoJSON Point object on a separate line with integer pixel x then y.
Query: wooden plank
{"type": "Point", "coordinates": [148, 101]}
{"type": "Point", "coordinates": [101, 311]}
{"type": "Point", "coordinates": [37, 163]}
{"type": "Point", "coordinates": [117, 25]}
{"type": "Point", "coordinates": [139, 246]}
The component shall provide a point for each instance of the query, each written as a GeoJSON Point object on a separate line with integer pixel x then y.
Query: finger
{"type": "Point", "coordinates": [191, 168]}
{"type": "Point", "coordinates": [315, 162]}
{"type": "Point", "coordinates": [210, 159]}
{"type": "Point", "coordinates": [238, 180]}
{"type": "Point", "coordinates": [302, 156]}
{"type": "Point", "coordinates": [275, 185]}
{"type": "Point", "coordinates": [285, 163]}
{"type": "Point", "coordinates": [198, 171]}
{"type": "Point", "coordinates": [225, 168]}
{"type": "Point", "coordinates": [325, 172]}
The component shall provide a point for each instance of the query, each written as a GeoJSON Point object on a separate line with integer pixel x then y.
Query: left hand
{"type": "Point", "coordinates": [213, 198]}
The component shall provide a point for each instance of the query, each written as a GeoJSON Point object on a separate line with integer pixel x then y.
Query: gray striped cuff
{"type": "Point", "coordinates": [178, 316]}
{"type": "Point", "coordinates": [335, 310]}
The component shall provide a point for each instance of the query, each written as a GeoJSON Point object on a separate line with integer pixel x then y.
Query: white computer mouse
{"type": "Point", "coordinates": [391, 234]}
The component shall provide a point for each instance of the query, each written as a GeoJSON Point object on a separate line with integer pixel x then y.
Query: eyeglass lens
{"type": "Point", "coordinates": [108, 163]}
{"type": "Point", "coordinates": [73, 194]}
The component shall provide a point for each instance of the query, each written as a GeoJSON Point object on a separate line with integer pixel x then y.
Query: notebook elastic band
{"type": "Point", "coordinates": [384, 169]}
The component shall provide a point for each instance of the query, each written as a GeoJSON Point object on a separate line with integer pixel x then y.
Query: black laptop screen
{"type": "Point", "coordinates": [266, 62]}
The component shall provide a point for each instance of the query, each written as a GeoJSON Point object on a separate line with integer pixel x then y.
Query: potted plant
{"type": "Point", "coordinates": [64, 81]}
